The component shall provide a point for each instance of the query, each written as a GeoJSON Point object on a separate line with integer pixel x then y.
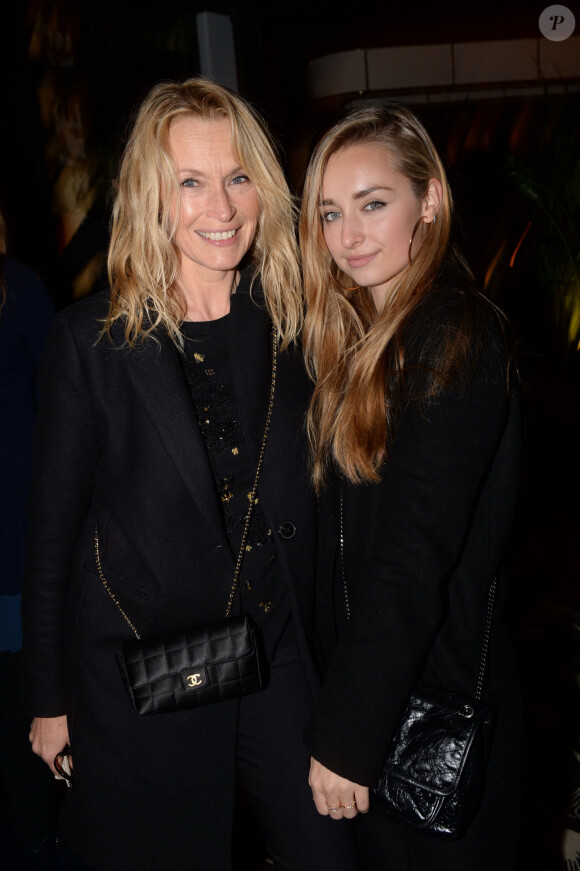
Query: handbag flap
{"type": "Point", "coordinates": [433, 740]}
{"type": "Point", "coordinates": [154, 657]}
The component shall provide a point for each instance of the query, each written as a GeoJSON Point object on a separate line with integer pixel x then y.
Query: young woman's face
{"type": "Point", "coordinates": [219, 206]}
{"type": "Point", "coordinates": [368, 213]}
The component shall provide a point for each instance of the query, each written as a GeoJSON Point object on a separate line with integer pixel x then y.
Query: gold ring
{"type": "Point", "coordinates": [333, 810]}
{"type": "Point", "coordinates": [351, 806]}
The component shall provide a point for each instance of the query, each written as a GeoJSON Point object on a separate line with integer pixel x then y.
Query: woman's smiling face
{"type": "Point", "coordinates": [219, 205]}
{"type": "Point", "coordinates": [368, 213]}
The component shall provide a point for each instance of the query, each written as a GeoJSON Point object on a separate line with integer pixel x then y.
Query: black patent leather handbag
{"type": "Point", "coordinates": [434, 772]}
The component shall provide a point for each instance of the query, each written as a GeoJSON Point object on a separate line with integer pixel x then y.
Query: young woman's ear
{"type": "Point", "coordinates": [432, 201]}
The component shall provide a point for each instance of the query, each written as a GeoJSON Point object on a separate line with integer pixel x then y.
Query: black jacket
{"type": "Point", "coordinates": [421, 549]}
{"type": "Point", "coordinates": [118, 445]}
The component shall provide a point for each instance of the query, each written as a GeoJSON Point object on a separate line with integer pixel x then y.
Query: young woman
{"type": "Point", "coordinates": [153, 405]}
{"type": "Point", "coordinates": [415, 441]}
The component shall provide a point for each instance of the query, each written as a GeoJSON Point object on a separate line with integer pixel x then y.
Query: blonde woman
{"type": "Point", "coordinates": [153, 408]}
{"type": "Point", "coordinates": [415, 439]}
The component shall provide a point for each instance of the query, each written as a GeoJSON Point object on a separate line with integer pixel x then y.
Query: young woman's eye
{"type": "Point", "coordinates": [329, 217]}
{"type": "Point", "coordinates": [188, 183]}
{"type": "Point", "coordinates": [374, 205]}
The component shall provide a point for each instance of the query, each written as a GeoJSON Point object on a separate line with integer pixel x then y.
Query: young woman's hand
{"type": "Point", "coordinates": [335, 796]}
{"type": "Point", "coordinates": [49, 736]}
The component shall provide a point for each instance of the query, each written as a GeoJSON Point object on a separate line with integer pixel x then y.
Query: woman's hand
{"type": "Point", "coordinates": [334, 795]}
{"type": "Point", "coordinates": [49, 736]}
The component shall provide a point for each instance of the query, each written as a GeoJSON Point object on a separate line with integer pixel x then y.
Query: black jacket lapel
{"type": "Point", "coordinates": [251, 343]}
{"type": "Point", "coordinates": [159, 379]}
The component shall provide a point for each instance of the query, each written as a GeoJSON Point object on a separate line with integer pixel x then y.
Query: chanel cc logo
{"type": "Point", "coordinates": [194, 680]}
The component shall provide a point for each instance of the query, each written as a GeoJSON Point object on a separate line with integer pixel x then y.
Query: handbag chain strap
{"type": "Point", "coordinates": [252, 501]}
{"type": "Point", "coordinates": [253, 497]}
{"type": "Point", "coordinates": [488, 613]}
{"type": "Point", "coordinates": [486, 637]}
{"type": "Point", "coordinates": [106, 585]}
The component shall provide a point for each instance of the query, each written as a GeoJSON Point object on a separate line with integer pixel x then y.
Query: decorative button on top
{"type": "Point", "coordinates": [287, 529]}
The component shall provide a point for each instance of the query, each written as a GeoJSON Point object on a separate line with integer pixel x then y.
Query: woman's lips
{"type": "Point", "coordinates": [359, 260]}
{"type": "Point", "coordinates": [219, 237]}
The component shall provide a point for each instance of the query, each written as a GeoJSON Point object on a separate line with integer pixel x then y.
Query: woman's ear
{"type": "Point", "coordinates": [432, 201]}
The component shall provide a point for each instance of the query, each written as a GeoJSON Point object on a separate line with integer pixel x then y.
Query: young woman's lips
{"type": "Point", "coordinates": [359, 260]}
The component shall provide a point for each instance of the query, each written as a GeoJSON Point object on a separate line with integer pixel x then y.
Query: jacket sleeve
{"type": "Point", "coordinates": [412, 527]}
{"type": "Point", "coordinates": [66, 453]}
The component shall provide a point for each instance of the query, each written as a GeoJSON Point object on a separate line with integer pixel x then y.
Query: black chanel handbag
{"type": "Point", "coordinates": [194, 666]}
{"type": "Point", "coordinates": [197, 665]}
{"type": "Point", "coordinates": [434, 773]}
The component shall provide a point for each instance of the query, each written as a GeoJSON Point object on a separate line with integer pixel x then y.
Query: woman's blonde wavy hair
{"type": "Point", "coordinates": [143, 261]}
{"type": "Point", "coordinates": [355, 354]}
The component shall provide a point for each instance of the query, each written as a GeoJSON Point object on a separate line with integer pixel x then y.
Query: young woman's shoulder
{"type": "Point", "coordinates": [453, 302]}
{"type": "Point", "coordinates": [455, 331]}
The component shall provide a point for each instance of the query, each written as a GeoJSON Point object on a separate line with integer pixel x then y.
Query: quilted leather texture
{"type": "Point", "coordinates": [194, 666]}
{"type": "Point", "coordinates": [433, 775]}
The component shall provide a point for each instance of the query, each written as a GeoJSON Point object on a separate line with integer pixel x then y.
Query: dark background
{"type": "Point", "coordinates": [514, 166]}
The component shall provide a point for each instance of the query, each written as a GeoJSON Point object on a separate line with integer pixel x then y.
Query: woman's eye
{"type": "Point", "coordinates": [374, 205]}
{"type": "Point", "coordinates": [188, 183]}
{"type": "Point", "coordinates": [240, 179]}
{"type": "Point", "coordinates": [329, 217]}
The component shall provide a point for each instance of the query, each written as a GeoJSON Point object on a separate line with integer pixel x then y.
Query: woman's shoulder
{"type": "Point", "coordinates": [455, 331]}
{"type": "Point", "coordinates": [86, 315]}
{"type": "Point", "coordinates": [452, 301]}
{"type": "Point", "coordinates": [81, 324]}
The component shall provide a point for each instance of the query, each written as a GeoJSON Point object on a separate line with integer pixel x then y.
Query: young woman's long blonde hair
{"type": "Point", "coordinates": [143, 261]}
{"type": "Point", "coordinates": [355, 354]}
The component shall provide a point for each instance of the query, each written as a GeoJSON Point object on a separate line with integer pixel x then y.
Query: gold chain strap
{"type": "Point", "coordinates": [252, 501]}
{"type": "Point", "coordinates": [258, 470]}
{"type": "Point", "coordinates": [106, 586]}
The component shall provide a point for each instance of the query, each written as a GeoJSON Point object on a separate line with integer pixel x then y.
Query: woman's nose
{"type": "Point", "coordinates": [352, 232]}
{"type": "Point", "coordinates": [220, 206]}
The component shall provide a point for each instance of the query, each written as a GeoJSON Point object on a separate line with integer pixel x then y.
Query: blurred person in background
{"type": "Point", "coordinates": [26, 312]}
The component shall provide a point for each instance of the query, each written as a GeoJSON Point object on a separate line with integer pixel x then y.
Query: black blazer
{"type": "Point", "coordinates": [118, 445]}
{"type": "Point", "coordinates": [421, 549]}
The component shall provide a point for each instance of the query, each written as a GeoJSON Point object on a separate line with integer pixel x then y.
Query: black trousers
{"type": "Point", "coordinates": [273, 765]}
{"type": "Point", "coordinates": [160, 826]}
